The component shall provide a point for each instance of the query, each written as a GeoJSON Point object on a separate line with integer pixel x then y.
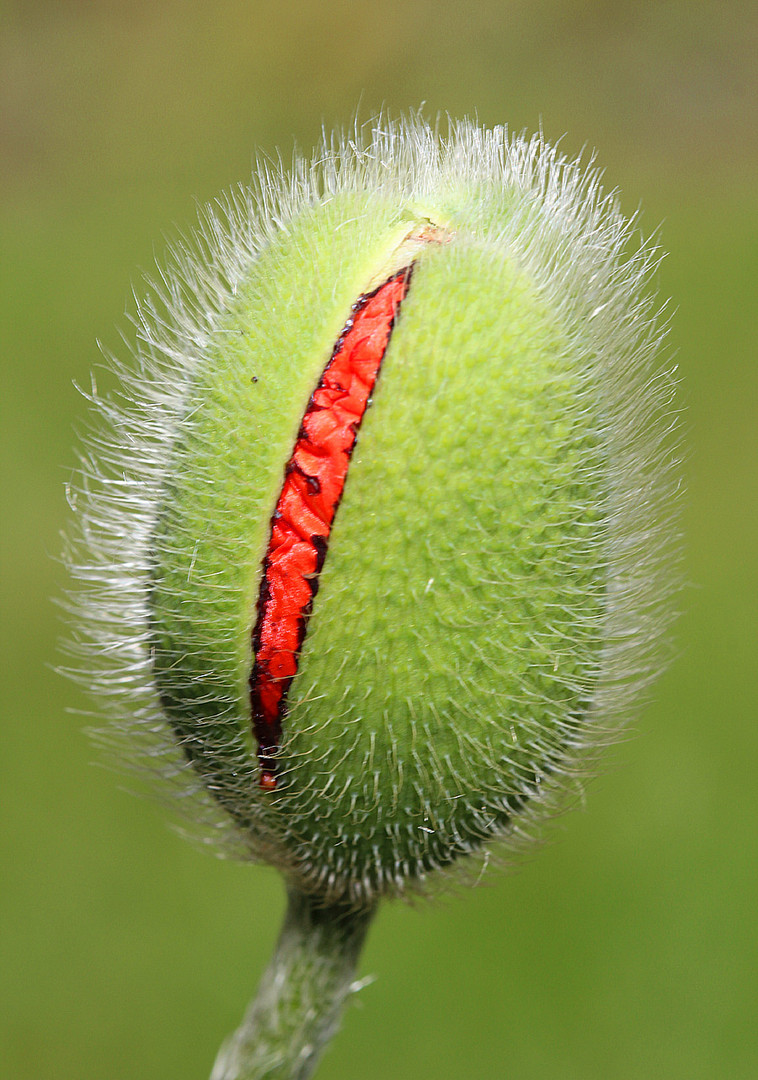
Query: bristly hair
{"type": "Point", "coordinates": [586, 259]}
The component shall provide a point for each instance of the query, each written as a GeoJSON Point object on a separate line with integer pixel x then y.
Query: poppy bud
{"type": "Point", "coordinates": [384, 541]}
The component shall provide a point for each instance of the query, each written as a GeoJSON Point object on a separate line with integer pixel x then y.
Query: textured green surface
{"type": "Point", "coordinates": [444, 604]}
{"type": "Point", "coordinates": [626, 948]}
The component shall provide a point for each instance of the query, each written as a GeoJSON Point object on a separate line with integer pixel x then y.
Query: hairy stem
{"type": "Point", "coordinates": [301, 996]}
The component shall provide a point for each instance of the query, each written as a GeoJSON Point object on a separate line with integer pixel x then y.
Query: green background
{"type": "Point", "coordinates": [627, 947]}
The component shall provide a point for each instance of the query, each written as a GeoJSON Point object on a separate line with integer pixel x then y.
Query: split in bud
{"type": "Point", "coordinates": [381, 539]}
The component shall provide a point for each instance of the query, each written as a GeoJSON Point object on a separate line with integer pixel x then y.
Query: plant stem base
{"type": "Point", "coordinates": [301, 996]}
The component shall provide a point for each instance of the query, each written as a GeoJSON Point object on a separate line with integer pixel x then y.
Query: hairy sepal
{"type": "Point", "coordinates": [491, 599]}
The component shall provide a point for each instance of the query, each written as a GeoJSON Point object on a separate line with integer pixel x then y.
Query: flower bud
{"type": "Point", "coordinates": [381, 542]}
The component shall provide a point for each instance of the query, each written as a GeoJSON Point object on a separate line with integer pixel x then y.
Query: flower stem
{"type": "Point", "coordinates": [301, 996]}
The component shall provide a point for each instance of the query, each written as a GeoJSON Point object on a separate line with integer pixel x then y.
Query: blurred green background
{"type": "Point", "coordinates": [627, 947]}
